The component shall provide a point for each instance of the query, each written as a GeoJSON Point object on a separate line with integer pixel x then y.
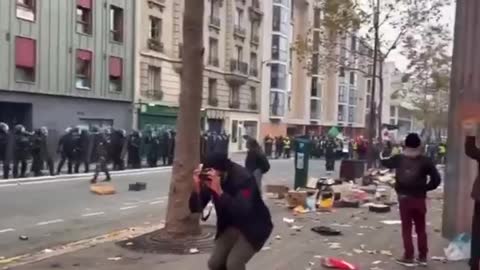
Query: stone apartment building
{"type": "Point", "coordinates": [66, 63]}
{"type": "Point", "coordinates": [233, 56]}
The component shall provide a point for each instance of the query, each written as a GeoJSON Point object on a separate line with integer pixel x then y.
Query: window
{"type": "Point", "coordinates": [280, 48]}
{"type": "Point", "coordinates": [255, 32]}
{"type": "Point", "coordinates": [392, 111]}
{"type": "Point", "coordinates": [253, 64]}
{"type": "Point", "coordinates": [317, 18]}
{"type": "Point", "coordinates": [277, 103]}
{"type": "Point", "coordinates": [83, 77]}
{"type": "Point", "coordinates": [369, 86]}
{"type": "Point", "coordinates": [342, 94]}
{"type": "Point", "coordinates": [341, 113]}
{"type": "Point", "coordinates": [369, 93]}
{"type": "Point", "coordinates": [281, 20]}
{"type": "Point", "coordinates": [235, 97]}
{"type": "Point", "coordinates": [116, 71]}
{"type": "Point", "coordinates": [155, 29]}
{"type": "Point", "coordinates": [352, 99]}
{"type": "Point", "coordinates": [154, 79]}
{"type": "Point", "coordinates": [213, 52]}
{"type": "Point", "coordinates": [352, 78]}
{"type": "Point", "coordinates": [292, 10]}
{"type": "Point", "coordinates": [212, 89]}
{"type": "Point", "coordinates": [84, 17]}
{"type": "Point", "coordinates": [25, 59]}
{"type": "Point", "coordinates": [239, 17]}
{"type": "Point", "coordinates": [116, 24]}
{"type": "Point", "coordinates": [26, 10]}
{"type": "Point", "coordinates": [342, 72]}
{"type": "Point", "coordinates": [239, 54]}
{"type": "Point", "coordinates": [351, 114]}
{"type": "Point", "coordinates": [354, 43]}
{"type": "Point", "coordinates": [278, 76]}
{"type": "Point", "coordinates": [253, 95]}
{"type": "Point", "coordinates": [314, 90]}
{"type": "Point", "coordinates": [315, 109]}
{"type": "Point", "coordinates": [234, 131]}
{"type": "Point", "coordinates": [214, 9]}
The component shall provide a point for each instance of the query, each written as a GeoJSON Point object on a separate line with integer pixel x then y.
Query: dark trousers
{"type": "Point", "coordinates": [102, 166]}
{"type": "Point", "coordinates": [475, 256]}
{"type": "Point", "coordinates": [69, 160]}
{"type": "Point", "coordinates": [287, 152]}
{"type": "Point", "coordinates": [413, 211]}
{"type": "Point", "coordinates": [37, 164]}
{"type": "Point", "coordinates": [6, 168]}
{"type": "Point", "coordinates": [231, 252]}
{"type": "Point", "coordinates": [330, 164]}
{"type": "Point", "coordinates": [86, 165]}
{"type": "Point", "coordinates": [50, 166]}
{"type": "Point", "coordinates": [23, 168]}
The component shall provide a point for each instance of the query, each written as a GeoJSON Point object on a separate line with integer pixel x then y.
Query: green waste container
{"type": "Point", "coordinates": [302, 156]}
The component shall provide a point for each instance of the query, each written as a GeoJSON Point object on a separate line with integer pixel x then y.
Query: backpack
{"type": "Point", "coordinates": [409, 171]}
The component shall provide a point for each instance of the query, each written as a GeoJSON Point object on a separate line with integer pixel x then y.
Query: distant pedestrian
{"type": "Point", "coordinates": [256, 162]}
{"type": "Point", "coordinates": [330, 155]}
{"type": "Point", "coordinates": [413, 171]}
{"type": "Point", "coordinates": [279, 146]}
{"type": "Point", "coordinates": [287, 147]}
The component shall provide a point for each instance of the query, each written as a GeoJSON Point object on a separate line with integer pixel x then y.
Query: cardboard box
{"type": "Point", "coordinates": [279, 190]}
{"type": "Point", "coordinates": [103, 189]}
{"type": "Point", "coordinates": [296, 198]}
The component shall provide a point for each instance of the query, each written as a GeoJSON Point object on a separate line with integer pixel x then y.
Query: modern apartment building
{"type": "Point", "coordinates": [66, 63]}
{"type": "Point", "coordinates": [233, 57]}
{"type": "Point", "coordinates": [309, 96]}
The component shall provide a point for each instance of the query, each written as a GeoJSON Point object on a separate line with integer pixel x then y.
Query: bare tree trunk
{"type": "Point", "coordinates": [180, 222]}
{"type": "Point", "coordinates": [380, 100]}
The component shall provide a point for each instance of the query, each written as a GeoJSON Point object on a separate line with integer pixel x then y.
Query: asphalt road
{"type": "Point", "coordinates": [63, 210]}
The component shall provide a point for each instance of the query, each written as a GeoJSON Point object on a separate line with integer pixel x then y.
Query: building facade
{"type": "Point", "coordinates": [233, 56]}
{"type": "Point", "coordinates": [66, 63]}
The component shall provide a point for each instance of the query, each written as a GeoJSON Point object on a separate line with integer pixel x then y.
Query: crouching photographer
{"type": "Point", "coordinates": [243, 220]}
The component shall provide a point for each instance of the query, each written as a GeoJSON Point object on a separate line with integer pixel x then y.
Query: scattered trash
{"type": "Point", "coordinates": [297, 228]}
{"type": "Point", "coordinates": [9, 260]}
{"type": "Point", "coordinates": [347, 254]}
{"type": "Point", "coordinates": [23, 237]}
{"type": "Point", "coordinates": [346, 204]}
{"type": "Point", "coordinates": [439, 259]}
{"type": "Point", "coordinates": [129, 244]}
{"type": "Point", "coordinates": [311, 204]}
{"type": "Point", "coordinates": [334, 246]}
{"type": "Point", "coordinates": [337, 264]}
{"type": "Point", "coordinates": [386, 252]}
{"type": "Point", "coordinates": [115, 259]}
{"type": "Point", "coordinates": [376, 262]}
{"type": "Point", "coordinates": [278, 237]}
{"type": "Point", "coordinates": [194, 251]}
{"type": "Point", "coordinates": [266, 248]}
{"type": "Point", "coordinates": [459, 248]}
{"type": "Point", "coordinates": [288, 220]}
{"type": "Point", "coordinates": [47, 250]}
{"type": "Point", "coordinates": [379, 208]}
{"type": "Point", "coordinates": [341, 225]}
{"type": "Point", "coordinates": [326, 231]}
{"type": "Point", "coordinates": [358, 251]}
{"type": "Point", "coordinates": [138, 186]}
{"type": "Point", "coordinates": [360, 234]}
{"type": "Point", "coordinates": [391, 222]}
{"type": "Point", "coordinates": [300, 210]}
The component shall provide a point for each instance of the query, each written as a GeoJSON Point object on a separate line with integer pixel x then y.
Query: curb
{"type": "Point", "coordinates": [79, 175]}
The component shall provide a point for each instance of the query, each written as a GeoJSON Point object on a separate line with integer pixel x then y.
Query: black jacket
{"type": "Point", "coordinates": [257, 160]}
{"type": "Point", "coordinates": [472, 151]}
{"type": "Point", "coordinates": [240, 206]}
{"type": "Point", "coordinates": [426, 168]}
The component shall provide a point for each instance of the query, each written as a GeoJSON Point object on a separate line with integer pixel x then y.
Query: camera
{"type": "Point", "coordinates": [204, 175]}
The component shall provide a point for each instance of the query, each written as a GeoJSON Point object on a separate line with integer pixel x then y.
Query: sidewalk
{"type": "Point", "coordinates": [288, 249]}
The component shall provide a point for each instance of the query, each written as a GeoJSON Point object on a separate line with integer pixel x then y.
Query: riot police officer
{"type": "Point", "coordinates": [21, 151]}
{"type": "Point", "coordinates": [66, 149]}
{"type": "Point", "coordinates": [36, 149]}
{"type": "Point", "coordinates": [134, 142]}
{"type": "Point", "coordinates": [4, 143]}
{"type": "Point", "coordinates": [46, 154]}
{"type": "Point", "coordinates": [83, 147]}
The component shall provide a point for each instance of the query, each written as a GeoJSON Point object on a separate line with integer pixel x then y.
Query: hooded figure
{"type": "Point", "coordinates": [4, 149]}
{"type": "Point", "coordinates": [22, 146]}
{"type": "Point", "coordinates": [415, 175]}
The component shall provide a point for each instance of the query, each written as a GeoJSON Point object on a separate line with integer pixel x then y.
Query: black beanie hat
{"type": "Point", "coordinates": [217, 161]}
{"type": "Point", "coordinates": [413, 140]}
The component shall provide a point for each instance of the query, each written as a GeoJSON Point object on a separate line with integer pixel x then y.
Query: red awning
{"type": "Point", "coordinates": [116, 66]}
{"type": "Point", "coordinates": [25, 52]}
{"type": "Point", "coordinates": [85, 3]}
{"type": "Point", "coordinates": [84, 55]}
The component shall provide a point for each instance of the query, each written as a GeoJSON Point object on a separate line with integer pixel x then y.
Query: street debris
{"type": "Point", "coordinates": [326, 231]}
{"type": "Point", "coordinates": [138, 186]}
{"type": "Point", "coordinates": [194, 251]}
{"type": "Point", "coordinates": [47, 250]}
{"type": "Point", "coordinates": [129, 244]}
{"type": "Point", "coordinates": [459, 248]}
{"type": "Point", "coordinates": [334, 245]}
{"type": "Point", "coordinates": [266, 248]}
{"type": "Point", "coordinates": [335, 263]}
{"type": "Point", "coordinates": [439, 259]}
{"type": "Point", "coordinates": [23, 237]}
{"type": "Point", "coordinates": [288, 220]}
{"type": "Point", "coordinates": [115, 259]}
{"type": "Point", "coordinates": [376, 262]}
{"type": "Point", "coordinates": [391, 222]}
{"type": "Point", "coordinates": [386, 252]}
{"type": "Point", "coordinates": [296, 228]}
{"type": "Point", "coordinates": [278, 237]}
{"type": "Point", "coordinates": [379, 208]}
{"type": "Point", "coordinates": [358, 251]}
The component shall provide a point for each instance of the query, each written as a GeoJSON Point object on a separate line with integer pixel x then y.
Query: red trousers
{"type": "Point", "coordinates": [413, 211]}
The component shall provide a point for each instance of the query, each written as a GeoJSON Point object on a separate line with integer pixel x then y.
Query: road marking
{"type": "Point", "coordinates": [93, 214]}
{"type": "Point", "coordinates": [7, 230]}
{"type": "Point", "coordinates": [129, 207]}
{"type": "Point", "coordinates": [156, 202]}
{"type": "Point", "coordinates": [43, 223]}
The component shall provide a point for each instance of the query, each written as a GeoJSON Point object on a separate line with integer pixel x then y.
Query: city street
{"type": "Point", "coordinates": [63, 210]}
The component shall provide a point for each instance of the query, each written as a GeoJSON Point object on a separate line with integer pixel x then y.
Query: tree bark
{"type": "Point", "coordinates": [380, 100]}
{"type": "Point", "coordinates": [179, 221]}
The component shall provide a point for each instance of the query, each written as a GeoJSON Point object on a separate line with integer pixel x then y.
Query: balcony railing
{"type": "Point", "coordinates": [156, 45]}
{"type": "Point", "coordinates": [254, 72]}
{"type": "Point", "coordinates": [215, 21]}
{"type": "Point", "coordinates": [213, 61]}
{"type": "Point", "coordinates": [238, 67]}
{"type": "Point", "coordinates": [255, 39]}
{"type": "Point", "coordinates": [213, 101]}
{"type": "Point", "coordinates": [253, 106]}
{"type": "Point", "coordinates": [234, 104]}
{"type": "Point", "coordinates": [152, 94]}
{"type": "Point", "coordinates": [239, 30]}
